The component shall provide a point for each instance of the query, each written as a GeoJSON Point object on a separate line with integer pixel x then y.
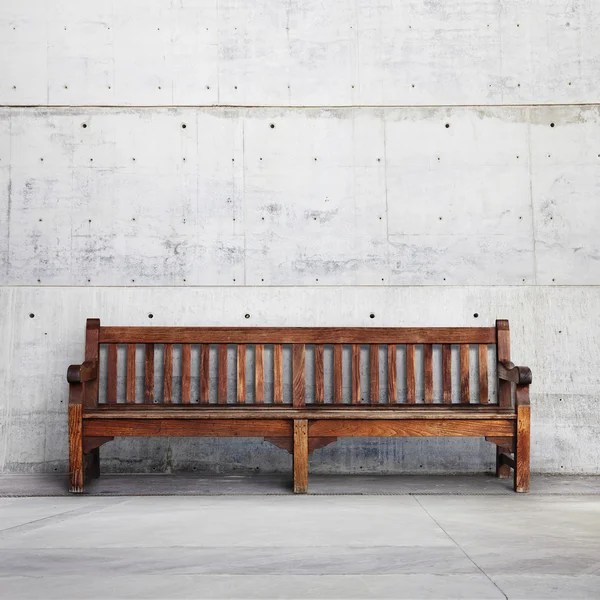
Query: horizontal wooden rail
{"type": "Point", "coordinates": [416, 428]}
{"type": "Point", "coordinates": [297, 335]}
{"type": "Point", "coordinates": [189, 428]}
{"type": "Point", "coordinates": [230, 411]}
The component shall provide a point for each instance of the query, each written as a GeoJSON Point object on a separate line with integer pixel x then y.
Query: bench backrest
{"type": "Point", "coordinates": [297, 366]}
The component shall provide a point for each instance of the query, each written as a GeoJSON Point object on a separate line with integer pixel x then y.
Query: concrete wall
{"type": "Point", "coordinates": [304, 162]}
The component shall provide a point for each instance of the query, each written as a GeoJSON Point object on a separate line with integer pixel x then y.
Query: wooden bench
{"type": "Point", "coordinates": [421, 382]}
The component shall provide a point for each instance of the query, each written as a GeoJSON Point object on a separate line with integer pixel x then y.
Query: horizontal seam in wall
{"type": "Point", "coordinates": [297, 106]}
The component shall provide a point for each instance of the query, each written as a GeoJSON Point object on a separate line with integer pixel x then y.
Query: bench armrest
{"type": "Point", "coordinates": [509, 372]}
{"type": "Point", "coordinates": [87, 371]}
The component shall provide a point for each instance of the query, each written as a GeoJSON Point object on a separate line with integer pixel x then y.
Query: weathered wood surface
{"type": "Point", "coordinates": [300, 456]}
{"type": "Point", "coordinates": [188, 427]}
{"type": "Point", "coordinates": [298, 335]}
{"type": "Point", "coordinates": [310, 412]}
{"type": "Point", "coordinates": [411, 427]}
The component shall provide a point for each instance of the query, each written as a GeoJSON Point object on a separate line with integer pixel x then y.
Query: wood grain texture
{"type": "Point", "coordinates": [266, 411]}
{"type": "Point", "coordinates": [507, 371]}
{"type": "Point", "coordinates": [522, 454]}
{"type": "Point", "coordinates": [392, 365]}
{"type": "Point", "coordinates": [149, 374]}
{"type": "Point", "coordinates": [186, 373]}
{"type": "Point", "coordinates": [130, 389]}
{"type": "Point", "coordinates": [222, 374]}
{"type": "Point", "coordinates": [428, 373]}
{"type": "Point", "coordinates": [259, 374]}
{"type": "Point", "coordinates": [483, 374]}
{"type": "Point", "coordinates": [411, 376]}
{"type": "Point", "coordinates": [319, 374]}
{"type": "Point", "coordinates": [356, 374]}
{"type": "Point", "coordinates": [299, 375]}
{"type": "Point", "coordinates": [337, 374]}
{"type": "Point", "coordinates": [89, 442]}
{"type": "Point", "coordinates": [168, 374]}
{"type": "Point", "coordinates": [447, 373]}
{"type": "Point", "coordinates": [298, 335]}
{"type": "Point", "coordinates": [204, 374]}
{"type": "Point", "coordinates": [503, 354]}
{"type": "Point", "coordinates": [465, 390]}
{"type": "Point", "coordinates": [111, 390]}
{"type": "Point", "coordinates": [76, 467]}
{"type": "Point", "coordinates": [241, 373]}
{"type": "Point", "coordinates": [374, 374]}
{"type": "Point", "coordinates": [277, 373]}
{"type": "Point", "coordinates": [507, 444]}
{"type": "Point", "coordinates": [92, 355]}
{"type": "Point", "coordinates": [300, 456]}
{"type": "Point", "coordinates": [415, 427]}
{"type": "Point", "coordinates": [189, 428]}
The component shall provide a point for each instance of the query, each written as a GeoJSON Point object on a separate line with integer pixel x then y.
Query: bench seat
{"type": "Point", "coordinates": [300, 424]}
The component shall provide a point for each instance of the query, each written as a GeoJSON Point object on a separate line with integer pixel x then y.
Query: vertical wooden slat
{"type": "Point", "coordinates": [168, 374]}
{"type": "Point", "coordinates": [205, 374]}
{"type": "Point", "coordinates": [337, 373]}
{"type": "Point", "coordinates": [149, 374]}
{"type": "Point", "coordinates": [374, 373]}
{"type": "Point", "coordinates": [130, 396]}
{"type": "Point", "coordinates": [277, 373]}
{"type": "Point", "coordinates": [428, 372]}
{"type": "Point", "coordinates": [483, 374]}
{"type": "Point", "coordinates": [503, 353]}
{"type": "Point", "coordinates": [447, 372]}
{"type": "Point", "coordinates": [355, 373]}
{"type": "Point", "coordinates": [392, 374]}
{"type": "Point", "coordinates": [411, 379]}
{"type": "Point", "coordinates": [319, 374]}
{"type": "Point", "coordinates": [241, 373]}
{"type": "Point", "coordinates": [299, 374]}
{"type": "Point", "coordinates": [186, 360]}
{"type": "Point", "coordinates": [111, 392]}
{"type": "Point", "coordinates": [222, 374]}
{"type": "Point", "coordinates": [259, 373]}
{"type": "Point", "coordinates": [465, 391]}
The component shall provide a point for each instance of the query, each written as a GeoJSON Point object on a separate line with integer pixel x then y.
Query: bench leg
{"type": "Point", "coordinates": [522, 467]}
{"type": "Point", "coordinates": [300, 456]}
{"type": "Point", "coordinates": [76, 461]}
{"type": "Point", "coordinates": [502, 470]}
{"type": "Point", "coordinates": [93, 466]}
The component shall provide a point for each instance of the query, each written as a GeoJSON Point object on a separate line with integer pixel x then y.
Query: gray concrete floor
{"type": "Point", "coordinates": [248, 537]}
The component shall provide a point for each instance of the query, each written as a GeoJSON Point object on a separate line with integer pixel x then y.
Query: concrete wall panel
{"type": "Point", "coordinates": [341, 52]}
{"type": "Point", "coordinates": [300, 197]}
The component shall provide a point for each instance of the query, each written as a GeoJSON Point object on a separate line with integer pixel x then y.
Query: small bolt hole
{"type": "Point", "coordinates": [183, 126]}
{"type": "Point", "coordinates": [150, 316]}
{"type": "Point", "coordinates": [31, 315]}
{"type": "Point", "coordinates": [247, 316]}
{"type": "Point", "coordinates": [551, 124]}
{"type": "Point", "coordinates": [447, 125]}
{"type": "Point", "coordinates": [372, 315]}
{"type": "Point", "coordinates": [84, 125]}
{"type": "Point", "coordinates": [272, 125]}
{"type": "Point", "coordinates": [476, 315]}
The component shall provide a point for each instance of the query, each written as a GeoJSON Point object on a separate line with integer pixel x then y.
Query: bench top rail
{"type": "Point", "coordinates": [298, 335]}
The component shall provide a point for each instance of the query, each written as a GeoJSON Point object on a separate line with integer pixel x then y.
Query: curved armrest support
{"type": "Point", "coordinates": [87, 371]}
{"type": "Point", "coordinates": [509, 372]}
